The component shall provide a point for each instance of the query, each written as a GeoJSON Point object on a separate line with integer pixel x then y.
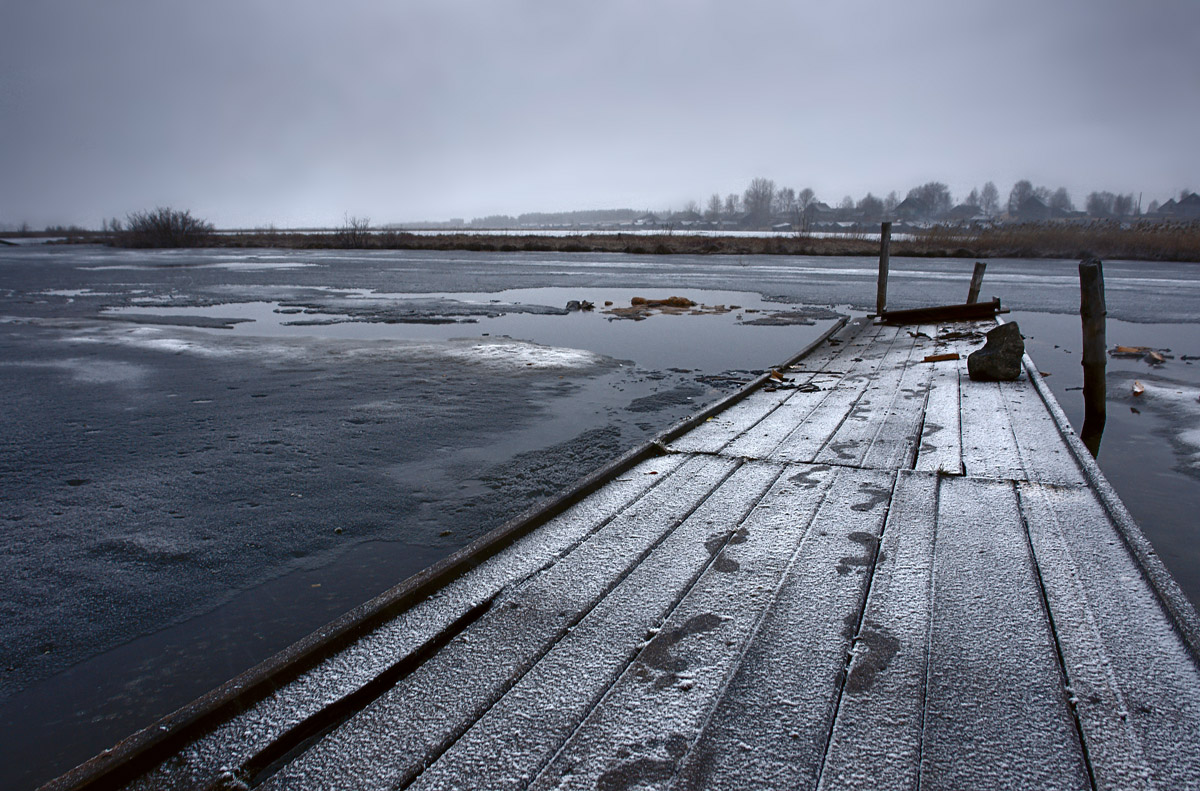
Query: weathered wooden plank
{"type": "Point", "coordinates": [1045, 454]}
{"type": "Point", "coordinates": [941, 433]}
{"type": "Point", "coordinates": [1136, 692]}
{"type": "Point", "coordinates": [760, 440]}
{"type": "Point", "coordinates": [876, 739]}
{"type": "Point", "coordinates": [520, 734]}
{"type": "Point", "coordinates": [658, 705]}
{"type": "Point", "coordinates": [773, 717]}
{"type": "Point", "coordinates": [239, 739]}
{"type": "Point", "coordinates": [714, 435]}
{"type": "Point", "coordinates": [964, 312]}
{"type": "Point", "coordinates": [996, 710]}
{"type": "Point", "coordinates": [391, 740]}
{"type": "Point", "coordinates": [882, 429]}
{"type": "Point", "coordinates": [989, 448]}
{"type": "Point", "coordinates": [806, 441]}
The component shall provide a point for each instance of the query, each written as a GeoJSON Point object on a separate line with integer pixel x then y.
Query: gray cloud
{"type": "Point", "coordinates": [296, 113]}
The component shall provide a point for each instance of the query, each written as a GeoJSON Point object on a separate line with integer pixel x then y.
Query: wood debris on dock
{"type": "Point", "coordinates": [887, 576]}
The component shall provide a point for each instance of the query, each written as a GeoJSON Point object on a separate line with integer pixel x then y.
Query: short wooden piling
{"type": "Point", "coordinates": [976, 283]}
{"type": "Point", "coordinates": [1092, 312]}
{"type": "Point", "coordinates": [885, 243]}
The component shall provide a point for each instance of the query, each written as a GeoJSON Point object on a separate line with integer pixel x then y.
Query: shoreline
{"type": "Point", "coordinates": [1146, 242]}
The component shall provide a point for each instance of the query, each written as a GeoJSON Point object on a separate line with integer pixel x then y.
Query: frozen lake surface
{"type": "Point", "coordinates": [208, 454]}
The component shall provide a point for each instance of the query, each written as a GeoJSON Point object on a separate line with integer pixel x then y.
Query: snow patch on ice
{"type": "Point", "coordinates": [517, 354]}
{"type": "Point", "coordinates": [1179, 404]}
{"type": "Point", "coordinates": [508, 354]}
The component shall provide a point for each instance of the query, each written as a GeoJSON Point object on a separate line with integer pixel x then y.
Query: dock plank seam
{"type": "Point", "coordinates": [689, 756]}
{"type": "Point", "coordinates": [858, 629]}
{"type": "Point", "coordinates": [838, 353]}
{"type": "Point", "coordinates": [937, 509]}
{"type": "Point", "coordinates": [458, 732]}
{"type": "Point", "coordinates": [551, 757]}
{"type": "Point", "coordinates": [874, 371]}
{"type": "Point", "coordinates": [1065, 675]}
{"type": "Point", "coordinates": [751, 636]}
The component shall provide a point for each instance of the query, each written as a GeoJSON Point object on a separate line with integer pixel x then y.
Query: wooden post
{"type": "Point", "coordinates": [885, 242]}
{"type": "Point", "coordinates": [1092, 312]}
{"type": "Point", "coordinates": [976, 283]}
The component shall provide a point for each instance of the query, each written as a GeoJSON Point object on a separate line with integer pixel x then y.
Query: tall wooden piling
{"type": "Point", "coordinates": [976, 283]}
{"type": "Point", "coordinates": [885, 243]}
{"type": "Point", "coordinates": [1092, 312]}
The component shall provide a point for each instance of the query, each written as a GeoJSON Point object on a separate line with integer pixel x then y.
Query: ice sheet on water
{"type": "Point", "coordinates": [1179, 404]}
{"type": "Point", "coordinates": [86, 371]}
{"type": "Point", "coordinates": [505, 353]}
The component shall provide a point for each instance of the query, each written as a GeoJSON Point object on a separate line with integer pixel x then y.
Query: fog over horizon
{"type": "Point", "coordinates": [252, 113]}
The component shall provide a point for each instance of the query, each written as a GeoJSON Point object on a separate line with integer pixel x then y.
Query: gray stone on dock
{"type": "Point", "coordinates": [1000, 358]}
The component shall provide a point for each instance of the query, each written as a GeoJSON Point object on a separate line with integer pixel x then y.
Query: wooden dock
{"type": "Point", "coordinates": [879, 574]}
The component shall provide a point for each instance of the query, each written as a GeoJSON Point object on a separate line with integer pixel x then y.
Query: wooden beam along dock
{"type": "Point", "coordinates": [879, 574]}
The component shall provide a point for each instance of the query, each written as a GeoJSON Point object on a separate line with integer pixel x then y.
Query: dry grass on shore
{"type": "Point", "coordinates": [1143, 241]}
{"type": "Point", "coordinates": [1107, 240]}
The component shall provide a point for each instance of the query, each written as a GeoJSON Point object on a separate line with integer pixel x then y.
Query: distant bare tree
{"type": "Point", "coordinates": [1021, 192]}
{"type": "Point", "coordinates": [890, 203]}
{"type": "Point", "coordinates": [1153, 207]}
{"type": "Point", "coordinates": [164, 227]}
{"type": "Point", "coordinates": [691, 206]}
{"type": "Point", "coordinates": [713, 212]}
{"type": "Point", "coordinates": [989, 199]}
{"type": "Point", "coordinates": [785, 201]}
{"type": "Point", "coordinates": [757, 200]}
{"type": "Point", "coordinates": [935, 195]}
{"type": "Point", "coordinates": [972, 198]}
{"type": "Point", "coordinates": [355, 232]}
{"type": "Point", "coordinates": [1100, 204]}
{"type": "Point", "coordinates": [1123, 205]}
{"type": "Point", "coordinates": [805, 198]}
{"type": "Point", "coordinates": [870, 207]}
{"type": "Point", "coordinates": [1061, 200]}
{"type": "Point", "coordinates": [733, 205]}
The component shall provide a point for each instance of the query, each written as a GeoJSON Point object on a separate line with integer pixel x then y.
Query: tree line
{"type": "Point", "coordinates": [762, 201]}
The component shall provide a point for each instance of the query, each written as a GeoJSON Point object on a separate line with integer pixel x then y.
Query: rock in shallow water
{"type": "Point", "coordinates": [1000, 358]}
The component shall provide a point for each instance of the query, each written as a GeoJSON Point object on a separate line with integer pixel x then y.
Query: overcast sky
{"type": "Point", "coordinates": [302, 112]}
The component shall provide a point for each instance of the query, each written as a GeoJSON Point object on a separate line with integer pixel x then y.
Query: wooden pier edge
{"type": "Point", "coordinates": [148, 747]}
{"type": "Point", "coordinates": [1182, 612]}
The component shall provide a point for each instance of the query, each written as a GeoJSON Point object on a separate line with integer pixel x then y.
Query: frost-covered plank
{"type": "Point", "coordinates": [1045, 454]}
{"type": "Point", "coordinates": [941, 433]}
{"type": "Point", "coordinates": [771, 724]}
{"type": "Point", "coordinates": [392, 739]}
{"type": "Point", "coordinates": [884, 359]}
{"type": "Point", "coordinates": [717, 432]}
{"type": "Point", "coordinates": [883, 433]}
{"type": "Point", "coordinates": [876, 741]}
{"type": "Point", "coordinates": [239, 739]}
{"type": "Point", "coordinates": [644, 724]}
{"type": "Point", "coordinates": [714, 434]}
{"type": "Point", "coordinates": [761, 439]}
{"type": "Point", "coordinates": [523, 730]}
{"type": "Point", "coordinates": [1136, 687]}
{"type": "Point", "coordinates": [996, 711]}
{"type": "Point", "coordinates": [989, 448]}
